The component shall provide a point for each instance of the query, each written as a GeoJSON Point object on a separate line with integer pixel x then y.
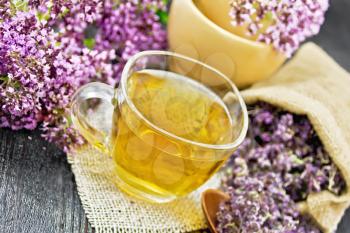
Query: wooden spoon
{"type": "Point", "coordinates": [211, 200]}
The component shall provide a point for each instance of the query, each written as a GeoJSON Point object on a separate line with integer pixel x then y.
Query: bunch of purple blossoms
{"type": "Point", "coordinates": [47, 51]}
{"type": "Point", "coordinates": [120, 28]}
{"type": "Point", "coordinates": [86, 10]}
{"type": "Point", "coordinates": [74, 67]}
{"type": "Point", "coordinates": [282, 23]}
{"type": "Point", "coordinates": [284, 147]}
{"type": "Point", "coordinates": [26, 56]}
{"type": "Point", "coordinates": [258, 203]}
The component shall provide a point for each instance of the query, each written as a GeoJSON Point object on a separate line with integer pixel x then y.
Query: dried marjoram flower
{"type": "Point", "coordinates": [280, 163]}
{"type": "Point", "coordinates": [259, 203]}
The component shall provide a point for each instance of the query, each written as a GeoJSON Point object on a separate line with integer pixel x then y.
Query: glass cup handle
{"type": "Point", "coordinates": [94, 126]}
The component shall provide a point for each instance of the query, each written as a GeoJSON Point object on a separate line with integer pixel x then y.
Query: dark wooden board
{"type": "Point", "coordinates": [37, 189]}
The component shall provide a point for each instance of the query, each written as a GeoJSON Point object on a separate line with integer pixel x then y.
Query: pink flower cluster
{"type": "Point", "coordinates": [284, 24]}
{"type": "Point", "coordinates": [26, 55]}
{"type": "Point", "coordinates": [49, 48]}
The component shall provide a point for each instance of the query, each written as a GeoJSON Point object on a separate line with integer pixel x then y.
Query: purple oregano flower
{"type": "Point", "coordinates": [282, 23]}
{"type": "Point", "coordinates": [50, 48]}
{"type": "Point", "coordinates": [280, 163]}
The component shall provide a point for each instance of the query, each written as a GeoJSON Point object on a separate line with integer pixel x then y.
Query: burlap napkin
{"type": "Point", "coordinates": [313, 84]}
{"type": "Point", "coordinates": [109, 210]}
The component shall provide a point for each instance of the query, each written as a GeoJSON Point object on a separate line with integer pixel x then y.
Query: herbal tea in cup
{"type": "Point", "coordinates": [168, 126]}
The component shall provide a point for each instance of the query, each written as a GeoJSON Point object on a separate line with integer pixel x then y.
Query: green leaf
{"type": "Point", "coordinates": [89, 43]}
{"type": "Point", "coordinates": [18, 5]}
{"type": "Point", "coordinates": [21, 5]}
{"type": "Point", "coordinates": [40, 16]}
{"type": "Point", "coordinates": [69, 120]}
{"type": "Point", "coordinates": [296, 160]}
{"type": "Point", "coordinates": [12, 8]}
{"type": "Point", "coordinates": [256, 5]}
{"type": "Point", "coordinates": [4, 79]}
{"type": "Point", "coordinates": [269, 16]}
{"type": "Point", "coordinates": [163, 17]}
{"type": "Point", "coordinates": [64, 13]}
{"type": "Point", "coordinates": [16, 85]}
{"type": "Point", "coordinates": [45, 16]}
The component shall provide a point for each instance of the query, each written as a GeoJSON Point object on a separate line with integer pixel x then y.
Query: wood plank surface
{"type": "Point", "coordinates": [37, 188]}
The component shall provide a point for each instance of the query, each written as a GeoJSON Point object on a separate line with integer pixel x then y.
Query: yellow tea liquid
{"type": "Point", "coordinates": [150, 160]}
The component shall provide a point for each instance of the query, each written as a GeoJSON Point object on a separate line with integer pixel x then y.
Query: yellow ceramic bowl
{"type": "Point", "coordinates": [218, 11]}
{"type": "Point", "coordinates": [191, 33]}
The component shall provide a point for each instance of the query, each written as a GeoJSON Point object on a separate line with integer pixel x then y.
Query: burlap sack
{"type": "Point", "coordinates": [313, 84]}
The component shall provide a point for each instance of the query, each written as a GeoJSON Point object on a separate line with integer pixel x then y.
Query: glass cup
{"type": "Point", "coordinates": [168, 127]}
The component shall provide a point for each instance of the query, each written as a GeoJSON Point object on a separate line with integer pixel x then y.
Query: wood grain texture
{"type": "Point", "coordinates": [37, 189]}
